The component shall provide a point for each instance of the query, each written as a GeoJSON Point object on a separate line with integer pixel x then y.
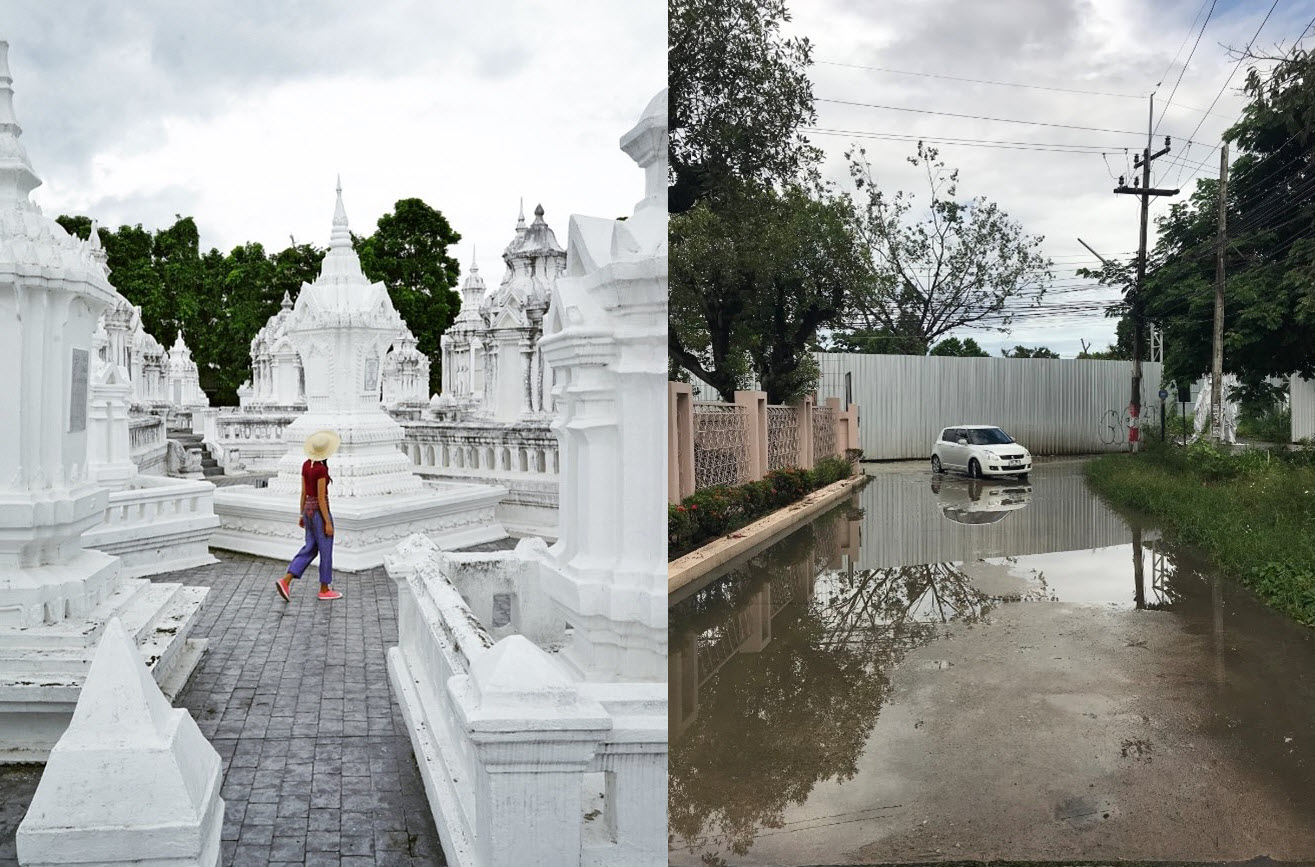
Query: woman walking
{"type": "Point", "coordinates": [315, 516]}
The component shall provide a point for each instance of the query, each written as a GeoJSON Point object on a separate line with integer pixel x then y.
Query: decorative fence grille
{"type": "Point", "coordinates": [824, 432]}
{"type": "Point", "coordinates": [782, 437]}
{"type": "Point", "coordinates": [721, 444]}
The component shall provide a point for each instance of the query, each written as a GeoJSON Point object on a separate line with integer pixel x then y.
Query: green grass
{"type": "Point", "coordinates": [1252, 514]}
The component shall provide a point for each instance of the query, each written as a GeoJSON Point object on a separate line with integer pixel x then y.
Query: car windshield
{"type": "Point", "coordinates": [988, 436]}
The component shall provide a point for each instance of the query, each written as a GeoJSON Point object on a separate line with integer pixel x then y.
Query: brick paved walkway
{"type": "Point", "coordinates": [318, 768]}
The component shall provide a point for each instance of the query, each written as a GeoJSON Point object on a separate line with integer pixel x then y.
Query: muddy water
{"type": "Point", "coordinates": [949, 669]}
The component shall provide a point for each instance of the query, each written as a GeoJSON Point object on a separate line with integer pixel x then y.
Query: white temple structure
{"type": "Point", "coordinates": [341, 326]}
{"type": "Point", "coordinates": [516, 381]}
{"type": "Point", "coordinates": [517, 721]}
{"type": "Point", "coordinates": [405, 376]}
{"type": "Point", "coordinates": [463, 352]}
{"type": "Point", "coordinates": [58, 595]}
{"type": "Point", "coordinates": [184, 379]}
{"type": "Point", "coordinates": [277, 380]}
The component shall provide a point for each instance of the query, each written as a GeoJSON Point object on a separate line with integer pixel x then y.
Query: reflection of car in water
{"type": "Point", "coordinates": [979, 501]}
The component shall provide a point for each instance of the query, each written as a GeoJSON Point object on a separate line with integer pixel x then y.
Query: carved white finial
{"type": "Point", "coordinates": [341, 235]}
{"type": "Point", "coordinates": [474, 260]}
{"type": "Point", "coordinates": [286, 303]}
{"type": "Point", "coordinates": [17, 177]}
{"type": "Point", "coordinates": [520, 221]}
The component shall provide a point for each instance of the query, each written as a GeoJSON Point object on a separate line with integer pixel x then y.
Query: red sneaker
{"type": "Point", "coordinates": [283, 591]}
{"type": "Point", "coordinates": [329, 594]}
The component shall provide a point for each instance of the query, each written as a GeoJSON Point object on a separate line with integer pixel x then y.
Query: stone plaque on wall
{"type": "Point", "coordinates": [77, 413]}
{"type": "Point", "coordinates": [372, 374]}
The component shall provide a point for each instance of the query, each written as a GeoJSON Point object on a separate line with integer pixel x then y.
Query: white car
{"type": "Point", "coordinates": [980, 450]}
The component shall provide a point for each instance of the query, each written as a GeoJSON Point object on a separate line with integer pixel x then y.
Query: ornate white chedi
{"type": "Point", "coordinates": [517, 382]}
{"type": "Point", "coordinates": [341, 326]}
{"type": "Point", "coordinates": [511, 714]}
{"type": "Point", "coordinates": [184, 379]}
{"type": "Point", "coordinates": [277, 379]}
{"type": "Point", "coordinates": [463, 356]}
{"type": "Point", "coordinates": [406, 374]}
{"type": "Point", "coordinates": [56, 596]}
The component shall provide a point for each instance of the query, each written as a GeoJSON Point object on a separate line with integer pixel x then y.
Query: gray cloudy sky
{"type": "Point", "coordinates": [1113, 46]}
{"type": "Point", "coordinates": [241, 113]}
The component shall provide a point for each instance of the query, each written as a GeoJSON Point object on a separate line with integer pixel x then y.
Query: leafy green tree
{"type": "Point", "coordinates": [967, 348]}
{"type": "Point", "coordinates": [752, 282]}
{"type": "Point", "coordinates": [409, 253]}
{"type": "Point", "coordinates": [960, 262]}
{"type": "Point", "coordinates": [739, 97]}
{"type": "Point", "coordinates": [1269, 322]}
{"type": "Point", "coordinates": [1021, 351]}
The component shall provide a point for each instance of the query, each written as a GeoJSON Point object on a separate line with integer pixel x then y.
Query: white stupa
{"type": "Point", "coordinates": [58, 596]}
{"type": "Point", "coordinates": [341, 326]}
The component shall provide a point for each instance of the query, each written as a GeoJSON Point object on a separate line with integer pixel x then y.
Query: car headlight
{"type": "Point", "coordinates": [992, 455]}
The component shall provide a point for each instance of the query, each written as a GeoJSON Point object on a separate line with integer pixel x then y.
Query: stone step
{"type": "Point", "coordinates": [208, 461]}
{"type": "Point", "coordinates": [211, 471]}
{"type": "Point", "coordinates": [172, 624]}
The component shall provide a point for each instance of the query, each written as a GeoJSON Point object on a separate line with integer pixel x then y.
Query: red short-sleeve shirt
{"type": "Point", "coordinates": [311, 473]}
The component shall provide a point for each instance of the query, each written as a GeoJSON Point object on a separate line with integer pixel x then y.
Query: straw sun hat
{"type": "Point", "coordinates": [321, 444]}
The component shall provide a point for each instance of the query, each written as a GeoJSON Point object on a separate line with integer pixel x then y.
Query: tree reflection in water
{"type": "Point", "coordinates": [779, 674]}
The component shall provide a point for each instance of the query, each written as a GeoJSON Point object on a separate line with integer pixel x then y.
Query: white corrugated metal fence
{"type": "Point", "coordinates": [1051, 406]}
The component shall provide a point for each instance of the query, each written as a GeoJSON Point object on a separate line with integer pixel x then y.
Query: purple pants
{"type": "Point", "coordinates": [316, 543]}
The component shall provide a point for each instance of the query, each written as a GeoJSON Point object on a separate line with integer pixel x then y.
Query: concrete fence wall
{"type": "Point", "coordinates": [1052, 406]}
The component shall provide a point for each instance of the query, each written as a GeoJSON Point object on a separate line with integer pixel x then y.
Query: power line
{"type": "Point", "coordinates": [1238, 65]}
{"type": "Point", "coordinates": [1183, 44]}
{"type": "Point", "coordinates": [1186, 63]}
{"type": "Point", "coordinates": [975, 116]}
{"type": "Point", "coordinates": [982, 81]}
{"type": "Point", "coordinates": [975, 142]}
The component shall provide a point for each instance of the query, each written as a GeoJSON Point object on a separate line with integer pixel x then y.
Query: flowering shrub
{"type": "Point", "coordinates": [722, 509]}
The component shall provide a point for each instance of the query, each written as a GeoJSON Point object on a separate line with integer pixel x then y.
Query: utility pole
{"type": "Point", "coordinates": [1143, 190]}
{"type": "Point", "coordinates": [1217, 362]}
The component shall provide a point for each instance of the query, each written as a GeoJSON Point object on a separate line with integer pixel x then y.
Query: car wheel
{"type": "Point", "coordinates": [974, 469]}
{"type": "Point", "coordinates": [936, 464]}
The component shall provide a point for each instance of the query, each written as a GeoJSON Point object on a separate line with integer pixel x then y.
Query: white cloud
{"type": "Point", "coordinates": [242, 114]}
{"type": "Point", "coordinates": [1115, 46]}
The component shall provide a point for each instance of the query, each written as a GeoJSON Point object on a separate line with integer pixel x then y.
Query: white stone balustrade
{"type": "Point", "coordinates": [157, 525]}
{"type": "Point", "coordinates": [147, 443]}
{"type": "Point", "coordinates": [521, 457]}
{"type": "Point", "coordinates": [518, 722]}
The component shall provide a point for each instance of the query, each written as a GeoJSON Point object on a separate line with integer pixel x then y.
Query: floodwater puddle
{"type": "Point", "coordinates": [948, 667]}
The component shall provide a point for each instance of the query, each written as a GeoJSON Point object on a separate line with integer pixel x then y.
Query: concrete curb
{"type": "Point", "coordinates": [696, 564]}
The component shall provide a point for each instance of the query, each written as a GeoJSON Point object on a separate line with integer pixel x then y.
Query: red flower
{"type": "Point", "coordinates": [692, 506]}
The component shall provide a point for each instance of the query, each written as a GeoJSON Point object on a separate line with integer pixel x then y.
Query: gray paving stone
{"type": "Point", "coordinates": [296, 700]}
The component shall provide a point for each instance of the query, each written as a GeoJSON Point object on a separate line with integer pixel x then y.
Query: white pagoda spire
{"type": "Point", "coordinates": [17, 177]}
{"type": "Point", "coordinates": [341, 236]}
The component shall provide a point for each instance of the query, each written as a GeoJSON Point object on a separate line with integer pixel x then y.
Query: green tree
{"type": "Point", "coordinates": [752, 282]}
{"type": "Point", "coordinates": [1021, 351]}
{"type": "Point", "coordinates": [1269, 322]}
{"type": "Point", "coordinates": [966, 348]}
{"type": "Point", "coordinates": [960, 262]}
{"type": "Point", "coordinates": [739, 97]}
{"type": "Point", "coordinates": [409, 253]}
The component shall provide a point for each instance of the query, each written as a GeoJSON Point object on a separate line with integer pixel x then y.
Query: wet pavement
{"type": "Point", "coordinates": [968, 670]}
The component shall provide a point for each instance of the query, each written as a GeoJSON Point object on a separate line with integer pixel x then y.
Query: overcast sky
{"type": "Point", "coordinates": [1112, 46]}
{"type": "Point", "coordinates": [241, 113]}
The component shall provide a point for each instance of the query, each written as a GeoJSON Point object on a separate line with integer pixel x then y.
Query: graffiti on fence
{"type": "Point", "coordinates": [1113, 425]}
